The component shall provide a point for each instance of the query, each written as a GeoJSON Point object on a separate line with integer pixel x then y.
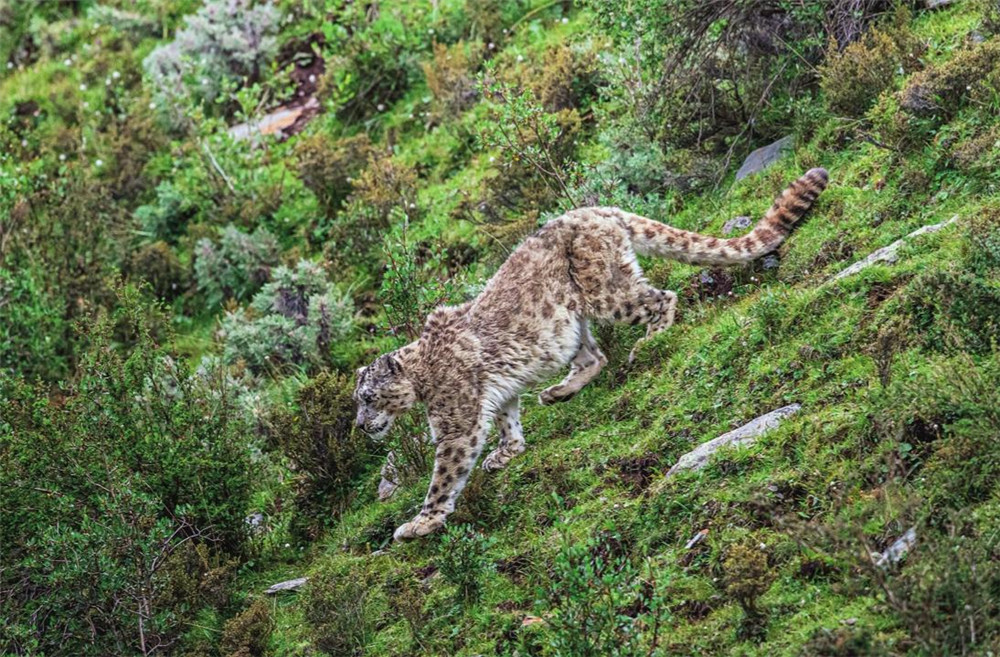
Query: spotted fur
{"type": "Point", "coordinates": [532, 320]}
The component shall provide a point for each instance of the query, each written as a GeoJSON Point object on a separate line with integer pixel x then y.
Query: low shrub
{"type": "Point", "coordinates": [853, 77]}
{"type": "Point", "coordinates": [747, 577]}
{"type": "Point", "coordinates": [224, 43]}
{"type": "Point", "coordinates": [451, 78]}
{"type": "Point", "coordinates": [376, 60]}
{"type": "Point", "coordinates": [462, 560]}
{"type": "Point", "coordinates": [951, 310]}
{"type": "Point", "coordinates": [130, 463]}
{"type": "Point", "coordinates": [328, 168]}
{"type": "Point", "coordinates": [981, 242]}
{"type": "Point", "coordinates": [166, 218]}
{"type": "Point", "coordinates": [158, 265]}
{"type": "Point", "coordinates": [293, 320]}
{"type": "Point", "coordinates": [236, 266]}
{"type": "Point", "coordinates": [33, 327]}
{"type": "Point", "coordinates": [599, 603]}
{"type": "Point", "coordinates": [339, 612]}
{"type": "Point", "coordinates": [940, 91]}
{"type": "Point", "coordinates": [247, 634]}
{"type": "Point", "coordinates": [328, 452]}
{"type": "Point", "coordinates": [944, 593]}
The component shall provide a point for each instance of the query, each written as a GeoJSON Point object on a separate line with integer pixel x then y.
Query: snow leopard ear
{"type": "Point", "coordinates": [394, 365]}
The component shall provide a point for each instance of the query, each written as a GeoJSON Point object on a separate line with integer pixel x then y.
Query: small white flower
{"type": "Point", "coordinates": [204, 82]}
{"type": "Point", "coordinates": [565, 20]}
{"type": "Point", "coordinates": [152, 106]}
{"type": "Point", "coordinates": [491, 45]}
{"type": "Point", "coordinates": [430, 31]}
{"type": "Point", "coordinates": [520, 58]}
{"type": "Point", "coordinates": [62, 157]}
{"type": "Point", "coordinates": [287, 545]}
{"type": "Point", "coordinates": [116, 74]}
{"type": "Point", "coordinates": [24, 143]}
{"type": "Point", "coordinates": [86, 105]}
{"type": "Point", "coordinates": [98, 163]}
{"type": "Point", "coordinates": [380, 107]}
{"type": "Point", "coordinates": [413, 206]}
{"type": "Point", "coordinates": [83, 87]}
{"type": "Point", "coordinates": [492, 159]}
{"type": "Point", "coordinates": [312, 79]}
{"type": "Point", "coordinates": [66, 62]}
{"type": "Point", "coordinates": [107, 82]}
{"type": "Point", "coordinates": [10, 65]}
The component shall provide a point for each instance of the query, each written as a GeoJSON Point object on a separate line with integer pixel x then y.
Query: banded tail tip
{"type": "Point", "coordinates": [817, 176]}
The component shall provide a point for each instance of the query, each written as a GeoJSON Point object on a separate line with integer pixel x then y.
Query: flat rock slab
{"type": "Point", "coordinates": [290, 585]}
{"type": "Point", "coordinates": [890, 254]}
{"type": "Point", "coordinates": [745, 436]}
{"type": "Point", "coordinates": [764, 157]}
{"type": "Point", "coordinates": [281, 122]}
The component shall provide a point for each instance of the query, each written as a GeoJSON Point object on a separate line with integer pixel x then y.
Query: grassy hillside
{"type": "Point", "coordinates": [182, 308]}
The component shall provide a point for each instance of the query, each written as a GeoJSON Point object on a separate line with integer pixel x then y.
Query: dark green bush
{"type": "Point", "coordinates": [945, 592]}
{"type": "Point", "coordinates": [953, 310]}
{"type": "Point", "coordinates": [953, 404]}
{"type": "Point", "coordinates": [462, 560]}
{"type": "Point", "coordinates": [166, 218]}
{"type": "Point", "coordinates": [134, 460]}
{"type": "Point", "coordinates": [940, 91]}
{"type": "Point", "coordinates": [32, 332]}
{"type": "Point", "coordinates": [748, 576]}
{"type": "Point", "coordinates": [158, 265]}
{"type": "Point", "coordinates": [853, 77]}
{"type": "Point", "coordinates": [328, 167]}
{"type": "Point", "coordinates": [598, 603]}
{"type": "Point", "coordinates": [981, 242]}
{"type": "Point", "coordinates": [339, 611]}
{"type": "Point", "coordinates": [328, 452]}
{"type": "Point", "coordinates": [247, 634]}
{"type": "Point", "coordinates": [375, 61]}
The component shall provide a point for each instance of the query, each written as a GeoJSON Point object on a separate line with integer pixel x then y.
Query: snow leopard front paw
{"type": "Point", "coordinates": [499, 458]}
{"type": "Point", "coordinates": [554, 395]}
{"type": "Point", "coordinates": [420, 526]}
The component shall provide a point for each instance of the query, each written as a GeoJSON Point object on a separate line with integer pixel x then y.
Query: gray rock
{"type": "Point", "coordinates": [289, 585]}
{"type": "Point", "coordinates": [937, 4]}
{"type": "Point", "coordinates": [764, 157]}
{"type": "Point", "coordinates": [390, 478]}
{"type": "Point", "coordinates": [898, 549]}
{"type": "Point", "coordinates": [890, 254]}
{"type": "Point", "coordinates": [771, 261]}
{"type": "Point", "coordinates": [745, 436]}
{"type": "Point", "coordinates": [737, 223]}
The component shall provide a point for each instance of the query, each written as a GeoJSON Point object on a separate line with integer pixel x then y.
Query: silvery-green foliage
{"type": "Point", "coordinates": [223, 42]}
{"type": "Point", "coordinates": [292, 320]}
{"type": "Point", "coordinates": [236, 266]}
{"type": "Point", "coordinates": [128, 22]}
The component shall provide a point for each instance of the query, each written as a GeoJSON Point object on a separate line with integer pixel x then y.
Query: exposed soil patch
{"type": "Point", "coordinates": [516, 567]}
{"type": "Point", "coordinates": [636, 472]}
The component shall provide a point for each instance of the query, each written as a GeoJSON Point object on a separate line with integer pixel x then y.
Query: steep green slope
{"type": "Point", "coordinates": [430, 138]}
